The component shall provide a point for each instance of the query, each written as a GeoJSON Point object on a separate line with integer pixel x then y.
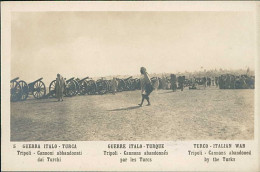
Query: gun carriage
{"type": "Point", "coordinates": [15, 90]}
{"type": "Point", "coordinates": [37, 88]}
{"type": "Point", "coordinates": [121, 85]}
{"type": "Point", "coordinates": [20, 89]}
{"type": "Point", "coordinates": [82, 85]}
{"type": "Point", "coordinates": [128, 84]}
{"type": "Point", "coordinates": [103, 86]}
{"type": "Point", "coordinates": [91, 86]}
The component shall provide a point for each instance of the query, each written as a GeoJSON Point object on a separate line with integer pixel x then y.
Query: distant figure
{"type": "Point", "coordinates": [181, 80]}
{"type": "Point", "coordinates": [114, 85]}
{"type": "Point", "coordinates": [156, 83]}
{"type": "Point", "coordinates": [60, 84]}
{"type": "Point", "coordinates": [204, 81]}
{"type": "Point", "coordinates": [173, 82]}
{"type": "Point", "coordinates": [146, 86]}
{"type": "Point", "coordinates": [216, 81]}
{"type": "Point", "coordinates": [208, 81]}
{"type": "Point", "coordinates": [163, 81]}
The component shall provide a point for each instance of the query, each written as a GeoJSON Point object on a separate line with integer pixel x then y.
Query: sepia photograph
{"type": "Point", "coordinates": [130, 86]}
{"type": "Point", "coordinates": [132, 75]}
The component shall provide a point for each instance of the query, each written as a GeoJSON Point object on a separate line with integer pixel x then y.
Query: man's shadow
{"type": "Point", "coordinates": [37, 102]}
{"type": "Point", "coordinates": [167, 92]}
{"type": "Point", "coordinates": [128, 108]}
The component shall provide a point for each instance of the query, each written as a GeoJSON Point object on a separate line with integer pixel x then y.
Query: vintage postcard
{"type": "Point", "coordinates": [130, 86]}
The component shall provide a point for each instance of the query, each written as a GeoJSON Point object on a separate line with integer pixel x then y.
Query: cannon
{"type": "Point", "coordinates": [25, 90]}
{"type": "Point", "coordinates": [15, 90]}
{"type": "Point", "coordinates": [81, 85]}
{"type": "Point", "coordinates": [69, 91]}
{"type": "Point", "coordinates": [128, 84]}
{"type": "Point", "coordinates": [71, 88]}
{"type": "Point", "coordinates": [91, 86]}
{"type": "Point", "coordinates": [137, 84]}
{"type": "Point", "coordinates": [20, 89]}
{"type": "Point", "coordinates": [37, 89]}
{"type": "Point", "coordinates": [121, 85]}
{"type": "Point", "coordinates": [103, 86]}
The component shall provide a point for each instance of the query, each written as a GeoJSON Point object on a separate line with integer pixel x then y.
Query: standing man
{"type": "Point", "coordinates": [181, 80]}
{"type": "Point", "coordinates": [173, 82]}
{"type": "Point", "coordinates": [114, 85]}
{"type": "Point", "coordinates": [60, 84]}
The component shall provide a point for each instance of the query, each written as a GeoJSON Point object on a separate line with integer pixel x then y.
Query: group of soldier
{"type": "Point", "coordinates": [227, 81]}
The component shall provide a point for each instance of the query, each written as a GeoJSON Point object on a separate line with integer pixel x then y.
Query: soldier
{"type": "Point", "coordinates": [181, 80]}
{"type": "Point", "coordinates": [213, 81]}
{"type": "Point", "coordinates": [221, 82]}
{"type": "Point", "coordinates": [59, 87]}
{"type": "Point", "coordinates": [173, 82]}
{"type": "Point", "coordinates": [204, 81]}
{"type": "Point", "coordinates": [216, 81]}
{"type": "Point", "coordinates": [114, 85]}
{"type": "Point", "coordinates": [208, 81]}
{"type": "Point", "coordinates": [156, 83]}
{"type": "Point", "coordinates": [232, 82]}
{"type": "Point", "coordinates": [228, 81]}
{"type": "Point", "coordinates": [193, 82]}
{"type": "Point", "coordinates": [163, 81]}
{"type": "Point", "coordinates": [243, 82]}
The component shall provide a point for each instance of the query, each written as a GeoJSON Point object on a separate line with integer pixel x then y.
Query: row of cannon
{"type": "Point", "coordinates": [20, 90]}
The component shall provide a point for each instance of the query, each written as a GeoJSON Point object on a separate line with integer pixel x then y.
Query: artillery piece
{"type": "Point", "coordinates": [121, 85]}
{"type": "Point", "coordinates": [134, 83]}
{"type": "Point", "coordinates": [15, 90]}
{"type": "Point", "coordinates": [81, 85]}
{"type": "Point", "coordinates": [91, 86]}
{"type": "Point", "coordinates": [69, 91]}
{"type": "Point", "coordinates": [37, 89]}
{"type": "Point", "coordinates": [20, 89]}
{"type": "Point", "coordinates": [103, 86]}
{"type": "Point", "coordinates": [128, 84]}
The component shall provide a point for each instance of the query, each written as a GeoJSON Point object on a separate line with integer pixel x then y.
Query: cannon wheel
{"type": "Point", "coordinates": [77, 87]}
{"type": "Point", "coordinates": [71, 89]}
{"type": "Point", "coordinates": [15, 90]}
{"type": "Point", "coordinates": [91, 87]}
{"type": "Point", "coordinates": [24, 90]}
{"type": "Point", "coordinates": [102, 87]}
{"type": "Point", "coordinates": [39, 90]}
{"type": "Point", "coordinates": [83, 88]}
{"type": "Point", "coordinates": [52, 90]}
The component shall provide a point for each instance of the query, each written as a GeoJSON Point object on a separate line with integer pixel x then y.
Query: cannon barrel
{"type": "Point", "coordinates": [129, 78]}
{"type": "Point", "coordinates": [15, 79]}
{"type": "Point", "coordinates": [35, 81]}
{"type": "Point", "coordinates": [83, 79]}
{"type": "Point", "coordinates": [70, 79]}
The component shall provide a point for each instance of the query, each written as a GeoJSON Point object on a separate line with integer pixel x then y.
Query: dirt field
{"type": "Point", "coordinates": [189, 115]}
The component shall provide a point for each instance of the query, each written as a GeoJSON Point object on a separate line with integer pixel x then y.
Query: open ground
{"type": "Point", "coordinates": [210, 114]}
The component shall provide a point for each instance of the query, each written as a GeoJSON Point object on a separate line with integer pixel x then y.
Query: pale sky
{"type": "Point", "coordinates": [119, 43]}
